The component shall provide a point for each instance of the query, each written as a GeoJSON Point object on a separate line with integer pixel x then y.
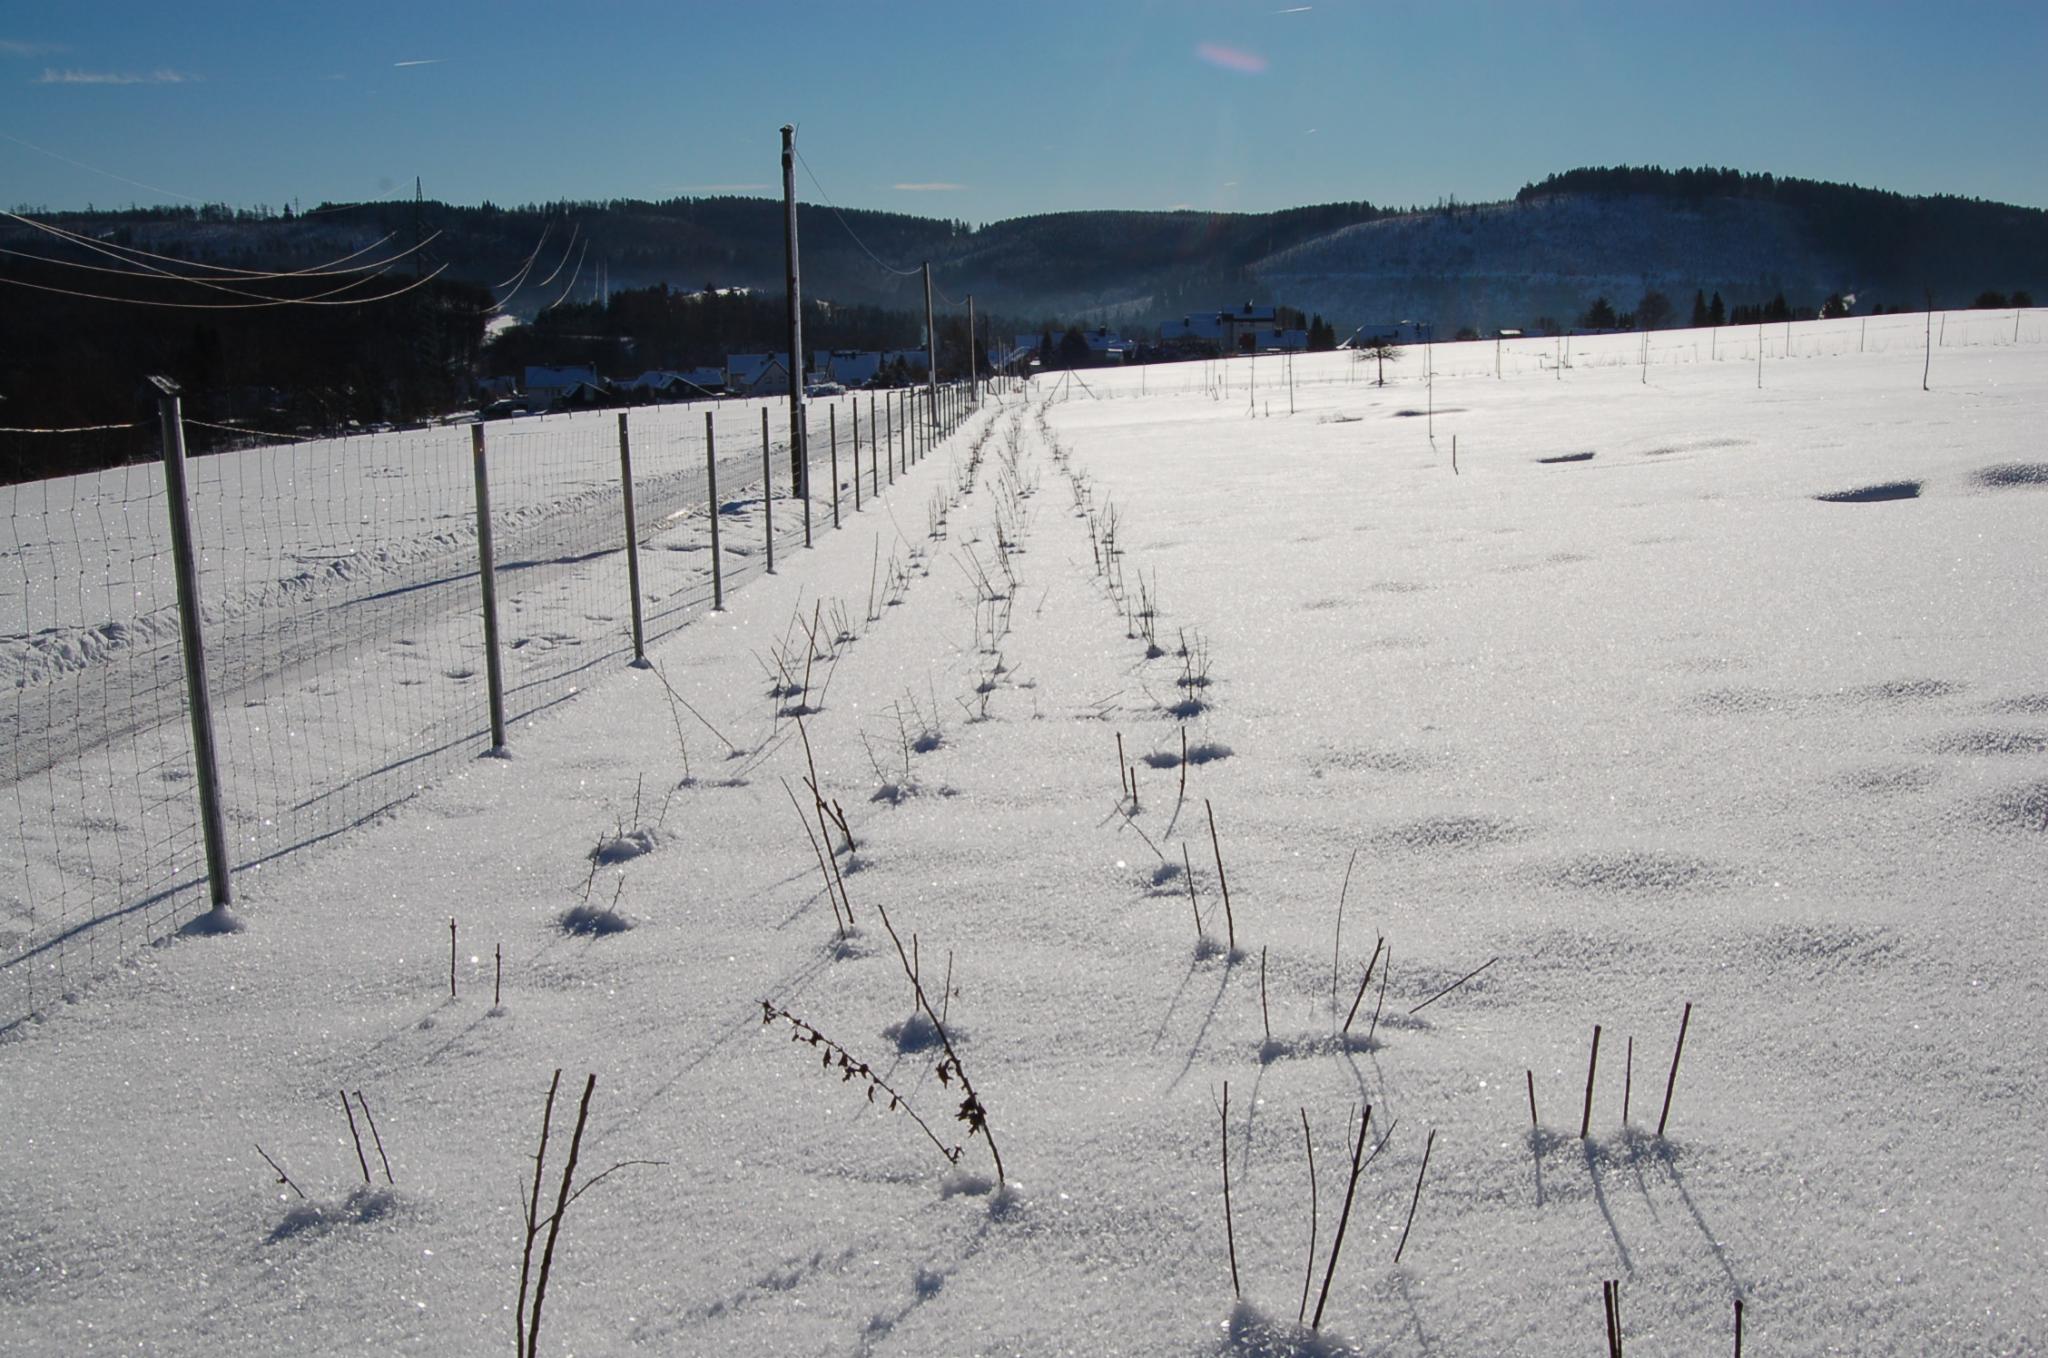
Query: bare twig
{"type": "Point", "coordinates": [374, 1137]}
{"type": "Point", "coordinates": [1308, 1274]}
{"type": "Point", "coordinates": [533, 1213]}
{"type": "Point", "coordinates": [1229, 1231]}
{"type": "Point", "coordinates": [1343, 1218]}
{"type": "Point", "coordinates": [1672, 1081]}
{"type": "Point", "coordinates": [1453, 986]}
{"type": "Point", "coordinates": [1426, 1149]}
{"type": "Point", "coordinates": [547, 1256]}
{"type": "Point", "coordinates": [1229, 922]}
{"type": "Point", "coordinates": [286, 1179]}
{"type": "Point", "coordinates": [355, 1135]}
{"type": "Point", "coordinates": [1363, 982]}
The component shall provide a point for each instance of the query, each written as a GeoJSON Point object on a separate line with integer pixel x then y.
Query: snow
{"type": "Point", "coordinates": [1654, 728]}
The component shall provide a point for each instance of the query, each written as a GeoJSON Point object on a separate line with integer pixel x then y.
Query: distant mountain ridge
{"type": "Point", "coordinates": [1547, 252]}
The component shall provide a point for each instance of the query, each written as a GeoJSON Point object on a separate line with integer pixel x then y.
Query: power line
{"type": "Point", "coordinates": [890, 268]}
{"type": "Point", "coordinates": [129, 254]}
{"type": "Point", "coordinates": [314, 300]}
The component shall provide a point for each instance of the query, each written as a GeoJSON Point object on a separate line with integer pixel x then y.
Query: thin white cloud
{"type": "Point", "coordinates": [160, 76]}
{"type": "Point", "coordinates": [928, 188]}
{"type": "Point", "coordinates": [1298, 9]}
{"type": "Point", "coordinates": [425, 61]}
{"type": "Point", "coordinates": [14, 47]}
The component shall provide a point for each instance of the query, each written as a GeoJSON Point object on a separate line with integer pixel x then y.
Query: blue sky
{"type": "Point", "coordinates": [984, 112]}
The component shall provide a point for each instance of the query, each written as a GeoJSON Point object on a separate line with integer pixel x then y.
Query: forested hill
{"type": "Point", "coordinates": [1573, 235]}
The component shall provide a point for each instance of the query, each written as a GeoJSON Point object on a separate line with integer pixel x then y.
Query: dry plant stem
{"type": "Point", "coordinates": [1188, 871]}
{"type": "Point", "coordinates": [1381, 1002]}
{"type": "Point", "coordinates": [1122, 778]}
{"type": "Point", "coordinates": [498, 982]}
{"type": "Point", "coordinates": [354, 1135]}
{"type": "Point", "coordinates": [375, 1139]}
{"type": "Point", "coordinates": [1343, 1218]}
{"type": "Point", "coordinates": [540, 1156]}
{"type": "Point", "coordinates": [837, 919]}
{"type": "Point", "coordinates": [1592, 1064]}
{"type": "Point", "coordinates": [1265, 1013]}
{"type": "Point", "coordinates": [1337, 946]}
{"type": "Point", "coordinates": [547, 1255]}
{"type": "Point", "coordinates": [1183, 763]}
{"type": "Point", "coordinates": [1229, 1232]}
{"type": "Point", "coordinates": [1452, 986]}
{"type": "Point", "coordinates": [973, 1111]}
{"type": "Point", "coordinates": [658, 673]}
{"type": "Point", "coordinates": [286, 1179]}
{"type": "Point", "coordinates": [1308, 1274]}
{"type": "Point", "coordinates": [1672, 1080]}
{"type": "Point", "coordinates": [1628, 1076]}
{"type": "Point", "coordinates": [451, 957]}
{"type": "Point", "coordinates": [1427, 1147]}
{"type": "Point", "coordinates": [1738, 1327]}
{"type": "Point", "coordinates": [1611, 1305]}
{"type": "Point", "coordinates": [850, 1067]}
{"type": "Point", "coordinates": [1229, 921]}
{"type": "Point", "coordinates": [1363, 982]}
{"type": "Point", "coordinates": [1530, 1076]}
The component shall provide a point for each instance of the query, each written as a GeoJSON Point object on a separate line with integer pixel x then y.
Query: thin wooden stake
{"type": "Point", "coordinates": [1229, 1232]}
{"type": "Point", "coordinates": [1738, 1327]}
{"type": "Point", "coordinates": [377, 1140]}
{"type": "Point", "coordinates": [1426, 1149]}
{"type": "Point", "coordinates": [1672, 1079]}
{"type": "Point", "coordinates": [1229, 922]}
{"type": "Point", "coordinates": [1610, 1299]}
{"type": "Point", "coordinates": [355, 1135]}
{"type": "Point", "coordinates": [1592, 1064]}
{"type": "Point", "coordinates": [1530, 1076]}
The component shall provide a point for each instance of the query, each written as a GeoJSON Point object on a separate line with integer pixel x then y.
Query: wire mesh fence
{"type": "Point", "coordinates": [340, 601]}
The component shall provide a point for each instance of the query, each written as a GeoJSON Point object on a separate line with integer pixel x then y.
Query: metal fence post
{"type": "Point", "coordinates": [487, 576]}
{"type": "Point", "coordinates": [889, 428]}
{"type": "Point", "coordinates": [767, 490]}
{"type": "Point", "coordinates": [711, 489]}
{"type": "Point", "coordinates": [800, 436]}
{"type": "Point", "coordinates": [874, 448]}
{"type": "Point", "coordinates": [856, 454]}
{"type": "Point", "coordinates": [205, 764]}
{"type": "Point", "coordinates": [632, 542]}
{"type": "Point", "coordinates": [832, 413]}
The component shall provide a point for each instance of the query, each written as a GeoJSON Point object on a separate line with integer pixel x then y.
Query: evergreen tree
{"type": "Point", "coordinates": [1716, 313]}
{"type": "Point", "coordinates": [1699, 309]}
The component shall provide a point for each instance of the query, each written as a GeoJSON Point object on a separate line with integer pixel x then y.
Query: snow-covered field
{"type": "Point", "coordinates": [1620, 706]}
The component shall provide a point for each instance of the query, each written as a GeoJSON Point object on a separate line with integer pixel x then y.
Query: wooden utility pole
{"type": "Point", "coordinates": [799, 465]}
